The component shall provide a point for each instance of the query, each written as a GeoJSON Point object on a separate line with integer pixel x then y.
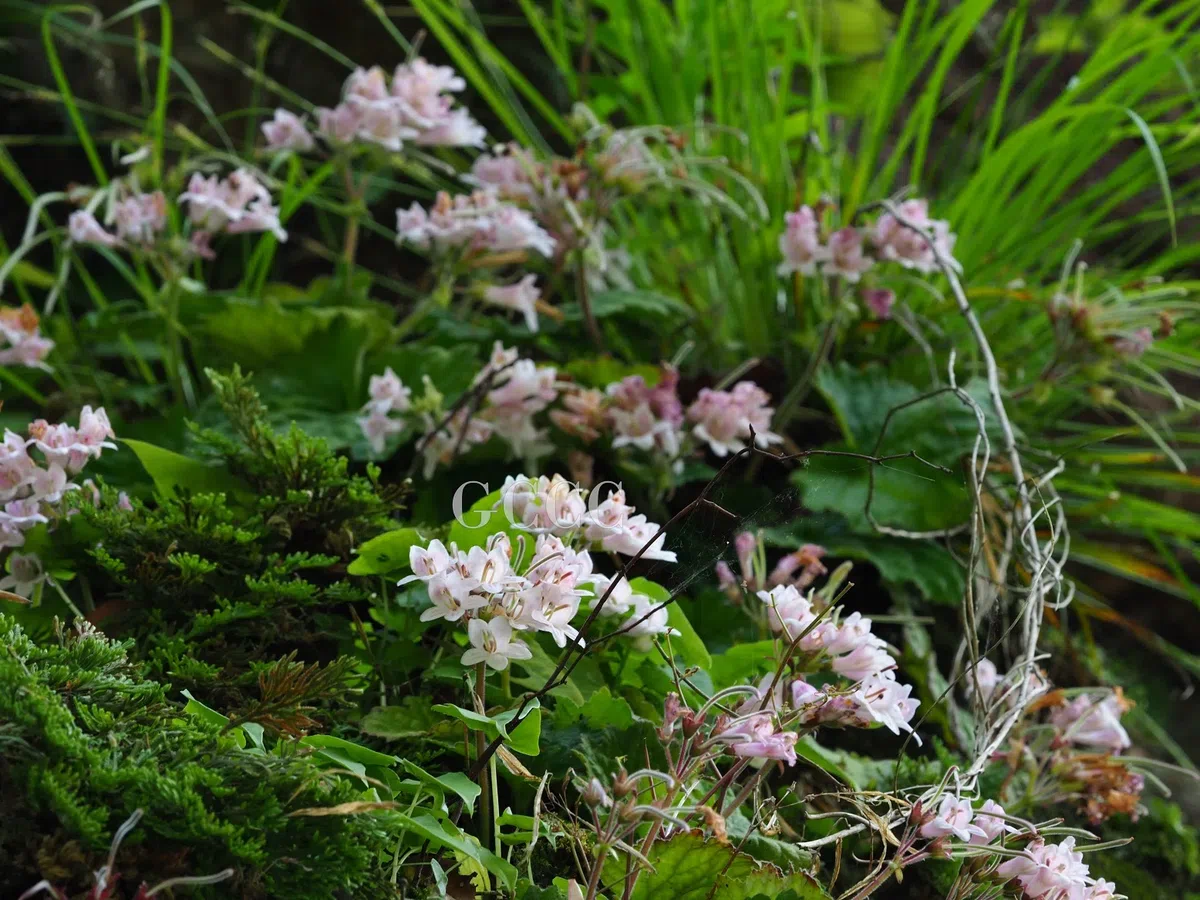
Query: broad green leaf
{"type": "Point", "coordinates": [524, 739]}
{"type": "Point", "coordinates": [688, 643]}
{"type": "Point", "coordinates": [203, 713]}
{"type": "Point", "coordinates": [485, 518]}
{"type": "Point", "coordinates": [455, 782]}
{"type": "Point", "coordinates": [172, 471]}
{"type": "Point", "coordinates": [908, 495]}
{"type": "Point", "coordinates": [689, 867]}
{"type": "Point", "coordinates": [411, 718]}
{"type": "Point", "coordinates": [445, 834]}
{"type": "Point", "coordinates": [385, 553]}
{"type": "Point", "coordinates": [360, 754]}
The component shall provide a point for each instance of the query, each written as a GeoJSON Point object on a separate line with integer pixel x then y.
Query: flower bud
{"type": "Point", "coordinates": [594, 795]}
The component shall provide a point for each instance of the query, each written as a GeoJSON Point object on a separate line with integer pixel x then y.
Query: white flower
{"type": "Point", "coordinates": [953, 817]}
{"type": "Point", "coordinates": [492, 643]}
{"type": "Point", "coordinates": [84, 229]}
{"type": "Point", "coordinates": [882, 699]}
{"type": "Point", "coordinates": [648, 619]}
{"type": "Point", "coordinates": [521, 297]}
{"type": "Point", "coordinates": [867, 659]}
{"type": "Point", "coordinates": [25, 574]}
{"type": "Point", "coordinates": [388, 393]}
{"type": "Point", "coordinates": [427, 561]}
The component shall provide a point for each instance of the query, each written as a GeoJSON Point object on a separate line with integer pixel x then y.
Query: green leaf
{"type": "Point", "coordinates": [171, 471]}
{"type": "Point", "coordinates": [928, 566]}
{"type": "Point", "coordinates": [356, 752]}
{"type": "Point", "coordinates": [688, 867]}
{"type": "Point", "coordinates": [688, 644]}
{"type": "Point", "coordinates": [444, 834]}
{"type": "Point", "coordinates": [204, 713]}
{"type": "Point", "coordinates": [908, 495]}
{"type": "Point", "coordinates": [386, 553]}
{"type": "Point", "coordinates": [455, 782]}
{"type": "Point", "coordinates": [635, 304]}
{"type": "Point", "coordinates": [411, 718]}
{"type": "Point", "coordinates": [485, 518]}
{"type": "Point", "coordinates": [524, 739]}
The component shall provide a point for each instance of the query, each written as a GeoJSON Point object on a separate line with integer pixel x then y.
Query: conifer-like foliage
{"type": "Point", "coordinates": [218, 584]}
{"type": "Point", "coordinates": [89, 739]}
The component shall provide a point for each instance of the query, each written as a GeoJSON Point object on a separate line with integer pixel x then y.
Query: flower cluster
{"type": "Point", "coordinates": [1055, 872]}
{"type": "Point", "coordinates": [23, 342]}
{"type": "Point", "coordinates": [236, 204]}
{"type": "Point", "coordinates": [637, 415]}
{"type": "Point", "coordinates": [498, 596]}
{"type": "Point", "coordinates": [416, 105]}
{"type": "Point", "coordinates": [476, 222]}
{"type": "Point", "coordinates": [850, 252]}
{"type": "Point", "coordinates": [32, 491]}
{"type": "Point", "coordinates": [853, 652]}
{"type": "Point", "coordinates": [512, 391]}
{"type": "Point", "coordinates": [956, 818]}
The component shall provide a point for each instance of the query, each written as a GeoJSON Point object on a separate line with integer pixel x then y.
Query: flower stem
{"type": "Point", "coordinates": [485, 776]}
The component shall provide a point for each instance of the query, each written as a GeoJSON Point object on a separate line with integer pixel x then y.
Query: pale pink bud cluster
{"type": "Point", "coordinates": [1055, 872]}
{"type": "Point", "coordinates": [480, 222]}
{"type": "Point", "coordinates": [725, 419]}
{"type": "Point", "coordinates": [848, 253]}
{"type": "Point", "coordinates": [137, 219]}
{"type": "Point", "coordinates": [31, 491]}
{"type": "Point", "coordinates": [415, 105]}
{"type": "Point", "coordinates": [23, 343]}
{"type": "Point", "coordinates": [235, 204]}
{"type": "Point", "coordinates": [388, 395]}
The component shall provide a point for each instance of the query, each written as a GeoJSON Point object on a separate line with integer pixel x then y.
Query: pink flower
{"type": "Point", "coordinates": [1134, 345]}
{"type": "Point", "coordinates": [521, 297]}
{"type": "Point", "coordinates": [510, 175]}
{"type": "Point", "coordinates": [982, 680]}
{"type": "Point", "coordinates": [800, 244]}
{"type": "Point", "coordinates": [377, 427]}
{"type": "Point", "coordinates": [455, 129]}
{"type": "Point", "coordinates": [1048, 871]}
{"type": "Point", "coordinates": [141, 217]}
{"type": "Point", "coordinates": [880, 698]}
{"type": "Point", "coordinates": [953, 818]}
{"type": "Point", "coordinates": [1093, 723]}
{"type": "Point", "coordinates": [724, 419]}
{"type": "Point", "coordinates": [388, 393]}
{"type": "Point", "coordinates": [235, 204]}
{"type": "Point", "coordinates": [880, 302]}
{"type": "Point", "coordinates": [988, 818]}
{"type": "Point", "coordinates": [480, 221]}
{"type": "Point", "coordinates": [867, 659]}
{"type": "Point", "coordinates": [340, 124]}
{"type": "Point", "coordinates": [84, 229]}
{"type": "Point", "coordinates": [492, 643]}
{"type": "Point", "coordinates": [788, 611]}
{"type": "Point", "coordinates": [1101, 890]}
{"type": "Point", "coordinates": [287, 132]}
{"type": "Point", "coordinates": [19, 326]}
{"type": "Point", "coordinates": [25, 574]}
{"type": "Point", "coordinates": [846, 257]}
{"type": "Point", "coordinates": [899, 243]}
{"type": "Point", "coordinates": [756, 737]}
